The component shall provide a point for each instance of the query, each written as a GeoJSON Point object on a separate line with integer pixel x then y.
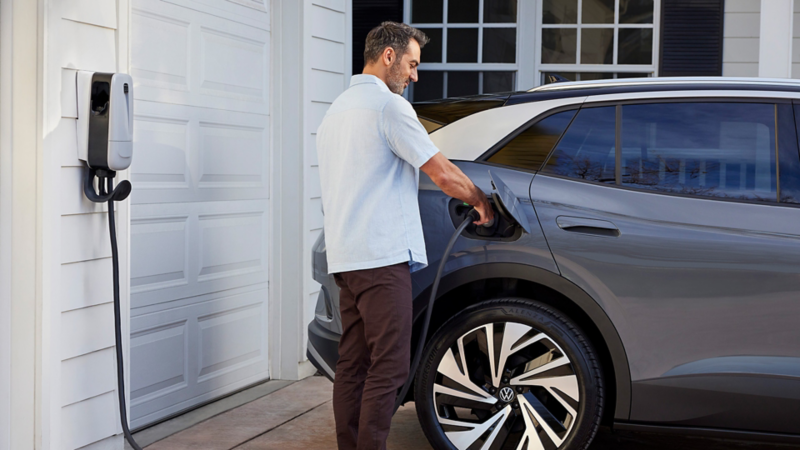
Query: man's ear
{"type": "Point", "coordinates": [389, 56]}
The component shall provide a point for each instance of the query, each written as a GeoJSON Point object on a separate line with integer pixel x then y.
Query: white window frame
{"type": "Point", "coordinates": [613, 68]}
{"type": "Point", "coordinates": [480, 66]}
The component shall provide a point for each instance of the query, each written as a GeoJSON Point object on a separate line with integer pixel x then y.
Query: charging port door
{"type": "Point", "coordinates": [507, 203]}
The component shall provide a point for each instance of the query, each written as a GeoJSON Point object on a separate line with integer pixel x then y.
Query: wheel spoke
{"type": "Point", "coordinates": [524, 378]}
{"type": "Point", "coordinates": [444, 390]}
{"type": "Point", "coordinates": [530, 436]}
{"type": "Point", "coordinates": [567, 384]}
{"type": "Point", "coordinates": [513, 333]}
{"type": "Point", "coordinates": [528, 408]}
{"type": "Point", "coordinates": [449, 368]}
{"type": "Point", "coordinates": [464, 439]}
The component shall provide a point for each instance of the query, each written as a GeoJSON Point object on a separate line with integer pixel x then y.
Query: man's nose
{"type": "Point", "coordinates": [414, 75]}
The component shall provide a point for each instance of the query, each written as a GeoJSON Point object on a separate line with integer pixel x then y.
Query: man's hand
{"type": "Point", "coordinates": [485, 210]}
{"type": "Point", "coordinates": [452, 181]}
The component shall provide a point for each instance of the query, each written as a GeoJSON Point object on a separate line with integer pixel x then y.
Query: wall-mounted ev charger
{"type": "Point", "coordinates": [105, 143]}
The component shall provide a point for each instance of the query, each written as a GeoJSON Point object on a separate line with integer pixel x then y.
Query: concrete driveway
{"type": "Point", "coordinates": [300, 416]}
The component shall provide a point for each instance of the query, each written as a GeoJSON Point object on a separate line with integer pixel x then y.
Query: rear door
{"type": "Point", "coordinates": [667, 212]}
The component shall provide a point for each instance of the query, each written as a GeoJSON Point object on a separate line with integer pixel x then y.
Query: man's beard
{"type": "Point", "coordinates": [397, 81]}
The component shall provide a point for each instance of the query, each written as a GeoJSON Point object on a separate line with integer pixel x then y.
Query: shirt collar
{"type": "Point", "coordinates": [364, 79]}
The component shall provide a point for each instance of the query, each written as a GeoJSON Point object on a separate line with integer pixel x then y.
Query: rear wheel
{"type": "Point", "coordinates": [509, 374]}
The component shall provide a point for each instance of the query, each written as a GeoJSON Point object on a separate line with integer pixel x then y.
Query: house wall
{"type": "Point", "coordinates": [327, 54]}
{"type": "Point", "coordinates": [80, 35]}
{"type": "Point", "coordinates": [741, 38]}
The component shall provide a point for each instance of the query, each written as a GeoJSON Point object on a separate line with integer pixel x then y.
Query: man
{"type": "Point", "coordinates": [371, 147]}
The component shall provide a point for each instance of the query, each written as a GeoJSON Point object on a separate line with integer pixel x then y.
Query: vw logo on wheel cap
{"type": "Point", "coordinates": [506, 394]}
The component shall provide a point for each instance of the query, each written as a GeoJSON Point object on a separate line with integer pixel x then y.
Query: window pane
{"type": "Point", "coordinates": [635, 46]}
{"type": "Point", "coordinates": [530, 148]}
{"type": "Point", "coordinates": [462, 45]}
{"type": "Point", "coordinates": [584, 76]}
{"type": "Point", "coordinates": [433, 49]}
{"type": "Point", "coordinates": [462, 11]}
{"type": "Point", "coordinates": [706, 149]}
{"type": "Point", "coordinates": [427, 11]}
{"type": "Point", "coordinates": [597, 11]}
{"type": "Point", "coordinates": [635, 11]}
{"type": "Point", "coordinates": [499, 11]}
{"type": "Point", "coordinates": [554, 77]}
{"type": "Point", "coordinates": [560, 11]}
{"type": "Point", "coordinates": [789, 158]}
{"type": "Point", "coordinates": [429, 86]}
{"type": "Point", "coordinates": [499, 45]}
{"type": "Point", "coordinates": [597, 46]}
{"type": "Point", "coordinates": [586, 151]}
{"type": "Point", "coordinates": [460, 84]}
{"type": "Point", "coordinates": [498, 82]}
{"type": "Point", "coordinates": [558, 45]}
{"type": "Point", "coordinates": [632, 75]}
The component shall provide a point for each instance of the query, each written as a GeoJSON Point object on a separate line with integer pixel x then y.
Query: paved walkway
{"type": "Point", "coordinates": [300, 416]}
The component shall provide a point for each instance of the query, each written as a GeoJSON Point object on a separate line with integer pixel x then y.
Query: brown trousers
{"type": "Point", "coordinates": [374, 353]}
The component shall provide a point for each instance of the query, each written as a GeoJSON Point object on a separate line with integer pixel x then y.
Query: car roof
{"type": "Point", "coordinates": [654, 84]}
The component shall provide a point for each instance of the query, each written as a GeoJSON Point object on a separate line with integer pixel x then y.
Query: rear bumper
{"type": "Point", "coordinates": [323, 349]}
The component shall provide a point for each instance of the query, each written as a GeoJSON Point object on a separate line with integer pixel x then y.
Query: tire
{"type": "Point", "coordinates": [550, 397]}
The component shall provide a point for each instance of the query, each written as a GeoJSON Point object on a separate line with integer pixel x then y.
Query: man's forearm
{"type": "Point", "coordinates": [461, 187]}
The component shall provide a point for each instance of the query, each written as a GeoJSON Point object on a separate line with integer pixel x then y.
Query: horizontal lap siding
{"type": "Point", "coordinates": [326, 77]}
{"type": "Point", "coordinates": [741, 38]}
{"type": "Point", "coordinates": [84, 37]}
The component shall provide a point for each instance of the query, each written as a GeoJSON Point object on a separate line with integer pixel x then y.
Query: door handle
{"type": "Point", "coordinates": [587, 226]}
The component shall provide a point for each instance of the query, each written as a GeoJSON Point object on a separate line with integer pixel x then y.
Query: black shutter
{"type": "Point", "coordinates": [368, 14]}
{"type": "Point", "coordinates": [691, 37]}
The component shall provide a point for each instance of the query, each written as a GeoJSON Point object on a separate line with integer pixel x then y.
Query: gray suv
{"type": "Point", "coordinates": [649, 280]}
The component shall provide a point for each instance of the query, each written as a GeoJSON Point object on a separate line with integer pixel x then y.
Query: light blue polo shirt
{"type": "Point", "coordinates": [370, 147]}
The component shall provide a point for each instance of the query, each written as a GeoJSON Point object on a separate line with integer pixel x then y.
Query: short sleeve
{"type": "Point", "coordinates": [405, 134]}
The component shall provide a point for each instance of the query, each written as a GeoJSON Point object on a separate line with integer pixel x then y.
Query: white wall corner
{"type": "Point", "coordinates": [775, 39]}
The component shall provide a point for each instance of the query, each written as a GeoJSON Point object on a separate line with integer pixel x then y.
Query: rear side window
{"type": "Point", "coordinates": [586, 151]}
{"type": "Point", "coordinates": [529, 149]}
{"type": "Point", "coordinates": [723, 150]}
{"type": "Point", "coordinates": [788, 153]}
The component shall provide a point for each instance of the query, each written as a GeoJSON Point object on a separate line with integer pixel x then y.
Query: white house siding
{"type": "Point", "coordinates": [741, 38]}
{"type": "Point", "coordinates": [327, 59]}
{"type": "Point", "coordinates": [79, 362]}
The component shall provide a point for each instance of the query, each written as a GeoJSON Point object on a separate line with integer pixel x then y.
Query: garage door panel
{"type": "Point", "coordinates": [205, 61]}
{"type": "Point", "coordinates": [160, 258]}
{"type": "Point", "coordinates": [167, 68]}
{"type": "Point", "coordinates": [161, 363]}
{"type": "Point", "coordinates": [229, 340]}
{"type": "Point", "coordinates": [190, 154]}
{"type": "Point", "coordinates": [229, 329]}
{"type": "Point", "coordinates": [254, 13]}
{"type": "Point", "coordinates": [188, 249]}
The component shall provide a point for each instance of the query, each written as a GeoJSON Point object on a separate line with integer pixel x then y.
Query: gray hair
{"type": "Point", "coordinates": [394, 35]}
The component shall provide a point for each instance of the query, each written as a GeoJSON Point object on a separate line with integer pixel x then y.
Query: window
{"type": "Point", "coordinates": [789, 185]}
{"type": "Point", "coordinates": [586, 151]}
{"type": "Point", "coordinates": [529, 149]}
{"type": "Point", "coordinates": [472, 48]}
{"type": "Point", "coordinates": [587, 37]}
{"type": "Point", "coordinates": [725, 150]}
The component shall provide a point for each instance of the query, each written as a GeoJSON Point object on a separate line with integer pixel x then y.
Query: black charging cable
{"type": "Point", "coordinates": [472, 216]}
{"type": "Point", "coordinates": [110, 194]}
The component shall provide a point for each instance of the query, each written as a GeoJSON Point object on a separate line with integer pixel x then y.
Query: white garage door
{"type": "Point", "coordinates": [200, 202]}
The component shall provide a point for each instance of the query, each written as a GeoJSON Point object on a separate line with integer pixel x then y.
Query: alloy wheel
{"type": "Point", "coordinates": [506, 384]}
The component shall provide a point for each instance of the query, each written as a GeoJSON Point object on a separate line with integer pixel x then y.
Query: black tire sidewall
{"type": "Point", "coordinates": [539, 316]}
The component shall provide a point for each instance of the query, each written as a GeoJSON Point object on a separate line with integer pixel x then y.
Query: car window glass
{"type": "Point", "coordinates": [586, 151]}
{"type": "Point", "coordinates": [788, 153]}
{"type": "Point", "coordinates": [723, 150]}
{"type": "Point", "coordinates": [530, 148]}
